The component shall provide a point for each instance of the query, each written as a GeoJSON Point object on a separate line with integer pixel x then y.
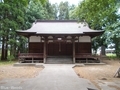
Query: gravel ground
{"type": "Point", "coordinates": [9, 72]}
{"type": "Point", "coordinates": [100, 73]}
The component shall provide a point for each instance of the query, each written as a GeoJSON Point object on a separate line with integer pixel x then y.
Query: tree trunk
{"type": "Point", "coordinates": [14, 50]}
{"type": "Point", "coordinates": [3, 49]}
{"type": "Point", "coordinates": [10, 51]}
{"type": "Point", "coordinates": [15, 46]}
{"type": "Point", "coordinates": [6, 48]}
{"type": "Point", "coordinates": [103, 51]}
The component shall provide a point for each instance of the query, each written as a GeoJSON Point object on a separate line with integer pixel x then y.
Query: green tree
{"type": "Point", "coordinates": [55, 11]}
{"type": "Point", "coordinates": [20, 18]}
{"type": "Point", "coordinates": [11, 20]}
{"type": "Point", "coordinates": [34, 11]}
{"type": "Point", "coordinates": [99, 15]}
{"type": "Point", "coordinates": [113, 34]}
{"type": "Point", "coordinates": [64, 11]}
{"type": "Point", "coordinates": [73, 13]}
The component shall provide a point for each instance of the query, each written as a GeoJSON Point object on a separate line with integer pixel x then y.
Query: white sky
{"type": "Point", "coordinates": [76, 2]}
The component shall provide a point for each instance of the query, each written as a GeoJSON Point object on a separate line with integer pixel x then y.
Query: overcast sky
{"type": "Point", "coordinates": [76, 2]}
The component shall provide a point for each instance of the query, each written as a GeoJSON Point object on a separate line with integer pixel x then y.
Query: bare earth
{"type": "Point", "coordinates": [95, 73]}
{"type": "Point", "coordinates": [9, 72]}
{"type": "Point", "coordinates": [100, 73]}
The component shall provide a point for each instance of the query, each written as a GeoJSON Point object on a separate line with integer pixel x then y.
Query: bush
{"type": "Point", "coordinates": [10, 58]}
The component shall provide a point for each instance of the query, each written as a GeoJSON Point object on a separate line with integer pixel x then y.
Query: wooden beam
{"type": "Point", "coordinates": [73, 41]}
{"type": "Point", "coordinates": [45, 50]}
{"type": "Point", "coordinates": [56, 39]}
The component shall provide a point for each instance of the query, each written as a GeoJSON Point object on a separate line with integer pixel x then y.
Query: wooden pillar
{"type": "Point", "coordinates": [45, 50]}
{"type": "Point", "coordinates": [73, 41]}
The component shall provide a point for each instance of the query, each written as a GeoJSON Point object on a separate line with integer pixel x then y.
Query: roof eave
{"type": "Point", "coordinates": [26, 34]}
{"type": "Point", "coordinates": [94, 34]}
{"type": "Point", "coordinates": [60, 34]}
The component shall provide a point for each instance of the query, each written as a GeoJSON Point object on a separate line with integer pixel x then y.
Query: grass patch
{"type": "Point", "coordinates": [7, 62]}
{"type": "Point", "coordinates": [112, 56]}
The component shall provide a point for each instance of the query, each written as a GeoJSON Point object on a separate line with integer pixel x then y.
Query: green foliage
{"type": "Point", "coordinates": [10, 58]}
{"type": "Point", "coordinates": [97, 12]}
{"type": "Point", "coordinates": [34, 11]}
{"type": "Point", "coordinates": [55, 11]}
{"type": "Point", "coordinates": [20, 18]}
{"type": "Point", "coordinates": [73, 13]}
{"type": "Point", "coordinates": [95, 44]}
{"type": "Point", "coordinates": [113, 34]}
{"type": "Point", "coordinates": [49, 11]}
{"type": "Point", "coordinates": [102, 15]}
{"type": "Point", "coordinates": [11, 20]}
{"type": "Point", "coordinates": [64, 11]}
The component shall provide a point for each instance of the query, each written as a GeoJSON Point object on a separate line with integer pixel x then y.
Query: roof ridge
{"type": "Point", "coordinates": [38, 20]}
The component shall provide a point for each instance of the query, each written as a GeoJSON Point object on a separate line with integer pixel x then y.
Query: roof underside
{"type": "Point", "coordinates": [57, 27]}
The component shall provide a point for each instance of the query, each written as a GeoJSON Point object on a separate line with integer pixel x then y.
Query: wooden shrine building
{"type": "Point", "coordinates": [59, 38]}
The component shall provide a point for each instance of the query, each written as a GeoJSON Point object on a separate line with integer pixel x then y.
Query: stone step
{"type": "Point", "coordinates": [59, 60]}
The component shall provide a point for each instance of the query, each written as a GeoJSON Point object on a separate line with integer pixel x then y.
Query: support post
{"type": "Point", "coordinates": [45, 40]}
{"type": "Point", "coordinates": [73, 41]}
{"type": "Point", "coordinates": [32, 60]}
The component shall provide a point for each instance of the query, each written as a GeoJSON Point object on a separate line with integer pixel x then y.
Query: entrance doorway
{"type": "Point", "coordinates": [59, 49]}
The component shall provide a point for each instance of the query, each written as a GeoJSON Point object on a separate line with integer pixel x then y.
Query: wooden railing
{"type": "Point", "coordinates": [87, 57]}
{"type": "Point", "coordinates": [78, 55]}
{"type": "Point", "coordinates": [24, 57]}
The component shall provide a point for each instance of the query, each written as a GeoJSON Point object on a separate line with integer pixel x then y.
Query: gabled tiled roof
{"type": "Point", "coordinates": [59, 27]}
